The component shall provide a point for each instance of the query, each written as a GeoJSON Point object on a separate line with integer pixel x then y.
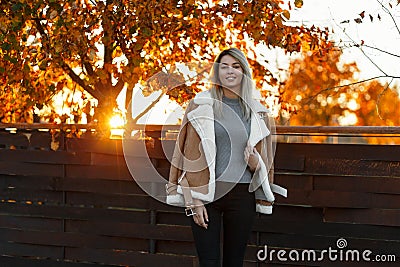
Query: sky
{"type": "Point", "coordinates": [381, 34]}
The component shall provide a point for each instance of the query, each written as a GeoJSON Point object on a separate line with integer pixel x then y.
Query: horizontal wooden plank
{"type": "Point", "coordinates": [341, 151]}
{"type": "Point", "coordinates": [17, 139]}
{"type": "Point", "coordinates": [294, 180]}
{"type": "Point", "coordinates": [389, 217]}
{"type": "Point", "coordinates": [390, 185]}
{"type": "Point", "coordinates": [144, 202]}
{"type": "Point", "coordinates": [21, 182]}
{"type": "Point", "coordinates": [100, 159]}
{"type": "Point", "coordinates": [23, 168]}
{"type": "Point", "coordinates": [43, 140]}
{"type": "Point", "coordinates": [326, 228]}
{"type": "Point", "coordinates": [71, 239]}
{"type": "Point", "coordinates": [176, 247]}
{"type": "Point", "coordinates": [107, 200]}
{"type": "Point", "coordinates": [42, 156]}
{"type": "Point", "coordinates": [157, 149]}
{"type": "Point", "coordinates": [129, 258]}
{"type": "Point", "coordinates": [133, 230]}
{"type": "Point", "coordinates": [28, 250]}
{"type": "Point", "coordinates": [70, 212]}
{"type": "Point", "coordinates": [30, 223]}
{"type": "Point", "coordinates": [32, 196]}
{"type": "Point", "coordinates": [99, 186]}
{"type": "Point", "coordinates": [172, 218]}
{"type": "Point", "coordinates": [325, 198]}
{"type": "Point", "coordinates": [292, 162]}
{"type": "Point", "coordinates": [353, 167]}
{"type": "Point", "coordinates": [35, 262]}
{"type": "Point", "coordinates": [98, 172]}
{"type": "Point", "coordinates": [106, 146]}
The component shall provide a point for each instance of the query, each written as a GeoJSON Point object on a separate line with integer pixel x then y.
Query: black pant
{"type": "Point", "coordinates": [236, 211]}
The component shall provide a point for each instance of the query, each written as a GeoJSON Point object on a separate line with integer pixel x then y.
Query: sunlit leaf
{"type": "Point", "coordinates": [298, 3]}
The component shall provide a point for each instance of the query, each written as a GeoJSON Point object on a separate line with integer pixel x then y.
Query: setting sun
{"type": "Point", "coordinates": [117, 121]}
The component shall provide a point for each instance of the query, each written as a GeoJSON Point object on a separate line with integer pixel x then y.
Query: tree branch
{"type": "Point", "coordinates": [379, 99]}
{"type": "Point", "coordinates": [349, 84]}
{"type": "Point", "coordinates": [147, 109]}
{"type": "Point", "coordinates": [362, 51]}
{"type": "Point", "coordinates": [390, 14]}
{"type": "Point", "coordinates": [380, 50]}
{"type": "Point", "coordinates": [118, 87]}
{"type": "Point", "coordinates": [95, 93]}
{"type": "Point", "coordinates": [88, 68]}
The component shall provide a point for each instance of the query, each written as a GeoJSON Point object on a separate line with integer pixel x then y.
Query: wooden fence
{"type": "Point", "coordinates": [79, 206]}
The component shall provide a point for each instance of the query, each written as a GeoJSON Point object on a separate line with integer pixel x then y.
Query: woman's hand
{"type": "Point", "coordinates": [251, 157]}
{"type": "Point", "coordinates": [201, 216]}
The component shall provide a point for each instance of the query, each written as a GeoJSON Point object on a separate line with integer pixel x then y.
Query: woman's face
{"type": "Point", "coordinates": [230, 74]}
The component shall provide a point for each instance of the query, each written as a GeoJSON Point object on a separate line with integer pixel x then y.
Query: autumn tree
{"type": "Point", "coordinates": [104, 46]}
{"type": "Point", "coordinates": [387, 11]}
{"type": "Point", "coordinates": [308, 92]}
{"type": "Point", "coordinates": [324, 91]}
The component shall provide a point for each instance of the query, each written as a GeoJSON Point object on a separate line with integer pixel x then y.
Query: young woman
{"type": "Point", "coordinates": [222, 166]}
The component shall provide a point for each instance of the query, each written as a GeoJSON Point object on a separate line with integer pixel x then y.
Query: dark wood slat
{"type": "Point", "coordinates": [174, 247]}
{"type": "Point", "coordinates": [134, 230]}
{"type": "Point", "coordinates": [129, 258]}
{"type": "Point", "coordinates": [100, 159]}
{"type": "Point", "coordinates": [326, 228]}
{"type": "Point", "coordinates": [98, 172]}
{"type": "Point", "coordinates": [34, 262]}
{"type": "Point", "coordinates": [30, 223]}
{"type": "Point", "coordinates": [323, 198]}
{"type": "Point", "coordinates": [353, 167]}
{"type": "Point", "coordinates": [48, 157]}
{"type": "Point", "coordinates": [144, 202]}
{"type": "Point", "coordinates": [69, 212]}
{"type": "Point", "coordinates": [294, 181]}
{"type": "Point", "coordinates": [71, 239]}
{"type": "Point", "coordinates": [292, 162]}
{"type": "Point", "coordinates": [28, 250]}
{"type": "Point", "coordinates": [22, 168]}
{"type": "Point", "coordinates": [173, 218]}
{"type": "Point", "coordinates": [341, 151]}
{"type": "Point", "coordinates": [32, 196]}
{"type": "Point", "coordinates": [99, 186]}
{"type": "Point", "coordinates": [107, 146]}
{"type": "Point", "coordinates": [18, 140]}
{"type": "Point", "coordinates": [42, 140]}
{"type": "Point", "coordinates": [20, 182]}
{"type": "Point", "coordinates": [389, 185]}
{"type": "Point", "coordinates": [388, 217]}
{"type": "Point", "coordinates": [108, 200]}
{"type": "Point", "coordinates": [287, 213]}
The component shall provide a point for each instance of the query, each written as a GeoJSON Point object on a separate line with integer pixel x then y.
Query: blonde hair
{"type": "Point", "coordinates": [247, 84]}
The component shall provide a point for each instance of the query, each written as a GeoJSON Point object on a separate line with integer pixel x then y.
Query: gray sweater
{"type": "Point", "coordinates": [231, 135]}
